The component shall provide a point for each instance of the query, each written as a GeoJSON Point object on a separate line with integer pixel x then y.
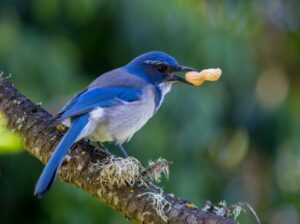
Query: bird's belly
{"type": "Point", "coordinates": [121, 122]}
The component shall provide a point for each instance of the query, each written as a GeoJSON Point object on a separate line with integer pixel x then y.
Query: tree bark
{"type": "Point", "coordinates": [40, 136]}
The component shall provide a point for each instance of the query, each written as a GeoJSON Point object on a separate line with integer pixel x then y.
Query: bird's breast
{"type": "Point", "coordinates": [121, 122]}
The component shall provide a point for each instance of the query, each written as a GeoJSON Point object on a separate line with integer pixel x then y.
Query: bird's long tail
{"type": "Point", "coordinates": [49, 173]}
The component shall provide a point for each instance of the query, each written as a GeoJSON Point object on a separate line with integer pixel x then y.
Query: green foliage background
{"type": "Point", "coordinates": [237, 139]}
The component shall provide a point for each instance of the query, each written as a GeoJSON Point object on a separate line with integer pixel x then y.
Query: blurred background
{"type": "Point", "coordinates": [236, 139]}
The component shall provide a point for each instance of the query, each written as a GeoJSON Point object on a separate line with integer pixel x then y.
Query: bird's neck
{"type": "Point", "coordinates": [161, 90]}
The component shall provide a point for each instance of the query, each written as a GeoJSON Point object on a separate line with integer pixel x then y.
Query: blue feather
{"type": "Point", "coordinates": [49, 173]}
{"type": "Point", "coordinates": [98, 97]}
{"type": "Point", "coordinates": [158, 96]}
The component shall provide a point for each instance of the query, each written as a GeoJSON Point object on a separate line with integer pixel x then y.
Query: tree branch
{"type": "Point", "coordinates": [138, 200]}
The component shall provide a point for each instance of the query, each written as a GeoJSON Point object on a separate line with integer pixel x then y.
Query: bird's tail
{"type": "Point", "coordinates": [49, 173]}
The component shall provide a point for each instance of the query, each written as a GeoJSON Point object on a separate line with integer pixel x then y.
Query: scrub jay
{"type": "Point", "coordinates": [114, 106]}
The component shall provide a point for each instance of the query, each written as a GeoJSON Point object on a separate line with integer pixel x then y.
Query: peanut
{"type": "Point", "coordinates": [197, 78]}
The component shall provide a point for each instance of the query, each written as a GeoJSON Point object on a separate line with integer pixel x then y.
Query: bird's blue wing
{"type": "Point", "coordinates": [89, 99]}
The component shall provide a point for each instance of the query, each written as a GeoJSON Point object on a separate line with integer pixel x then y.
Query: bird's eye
{"type": "Point", "coordinates": [162, 68]}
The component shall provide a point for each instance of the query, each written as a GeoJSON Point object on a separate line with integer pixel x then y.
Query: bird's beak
{"type": "Point", "coordinates": [180, 68]}
{"type": "Point", "coordinates": [184, 69]}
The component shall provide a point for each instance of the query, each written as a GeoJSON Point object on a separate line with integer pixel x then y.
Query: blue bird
{"type": "Point", "coordinates": [114, 107]}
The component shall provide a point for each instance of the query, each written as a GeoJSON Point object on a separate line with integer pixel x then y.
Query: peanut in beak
{"type": "Point", "coordinates": [197, 78]}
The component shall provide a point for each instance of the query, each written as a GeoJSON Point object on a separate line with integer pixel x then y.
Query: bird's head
{"type": "Point", "coordinates": [157, 67]}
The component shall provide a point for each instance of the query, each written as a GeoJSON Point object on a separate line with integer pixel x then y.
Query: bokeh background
{"type": "Point", "coordinates": [236, 139]}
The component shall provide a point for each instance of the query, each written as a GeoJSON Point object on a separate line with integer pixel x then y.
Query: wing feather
{"type": "Point", "coordinates": [89, 99]}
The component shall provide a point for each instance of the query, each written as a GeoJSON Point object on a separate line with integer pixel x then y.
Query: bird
{"type": "Point", "coordinates": [114, 107]}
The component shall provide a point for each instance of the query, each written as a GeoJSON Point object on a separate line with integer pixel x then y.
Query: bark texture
{"type": "Point", "coordinates": [40, 136]}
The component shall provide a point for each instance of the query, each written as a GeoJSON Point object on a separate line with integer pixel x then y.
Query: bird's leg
{"type": "Point", "coordinates": [123, 150]}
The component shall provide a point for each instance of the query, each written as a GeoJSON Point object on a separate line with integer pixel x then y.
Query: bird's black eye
{"type": "Point", "coordinates": [162, 68]}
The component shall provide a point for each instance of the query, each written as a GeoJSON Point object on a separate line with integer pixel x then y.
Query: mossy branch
{"type": "Point", "coordinates": [86, 166]}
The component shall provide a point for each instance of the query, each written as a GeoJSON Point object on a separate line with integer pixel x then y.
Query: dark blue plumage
{"type": "Point", "coordinates": [114, 106]}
